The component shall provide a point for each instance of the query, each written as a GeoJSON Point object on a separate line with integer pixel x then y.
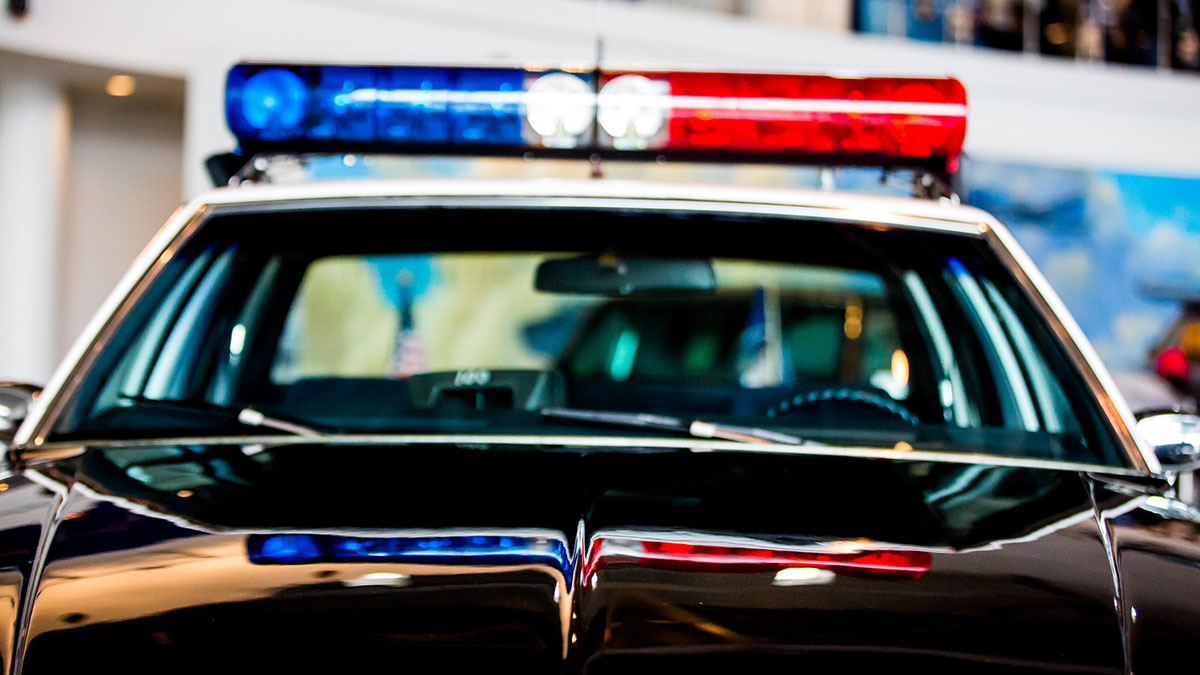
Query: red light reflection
{"type": "Point", "coordinates": [685, 556]}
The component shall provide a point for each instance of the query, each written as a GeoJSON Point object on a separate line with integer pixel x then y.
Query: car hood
{"type": "Point", "coordinates": [559, 559]}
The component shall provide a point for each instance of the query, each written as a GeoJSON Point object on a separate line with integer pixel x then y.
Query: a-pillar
{"type": "Point", "coordinates": [34, 129]}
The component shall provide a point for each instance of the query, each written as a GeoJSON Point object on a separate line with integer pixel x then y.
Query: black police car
{"type": "Point", "coordinates": [589, 425]}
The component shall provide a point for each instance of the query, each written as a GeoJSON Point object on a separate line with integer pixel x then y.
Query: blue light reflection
{"type": "Point", "coordinates": [475, 549]}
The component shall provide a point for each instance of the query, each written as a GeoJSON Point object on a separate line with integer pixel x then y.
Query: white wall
{"type": "Point", "coordinates": [122, 181]}
{"type": "Point", "coordinates": [34, 124]}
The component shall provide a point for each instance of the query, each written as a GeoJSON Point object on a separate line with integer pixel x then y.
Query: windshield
{"type": "Point", "coordinates": [476, 320]}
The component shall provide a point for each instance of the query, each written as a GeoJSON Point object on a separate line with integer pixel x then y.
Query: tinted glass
{"type": "Point", "coordinates": [428, 320]}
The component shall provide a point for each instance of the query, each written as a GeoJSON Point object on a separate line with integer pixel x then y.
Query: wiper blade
{"type": "Point", "coordinates": [247, 416]}
{"type": "Point", "coordinates": [697, 428]}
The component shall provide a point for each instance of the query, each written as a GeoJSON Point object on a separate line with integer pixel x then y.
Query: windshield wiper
{"type": "Point", "coordinates": [696, 428]}
{"type": "Point", "coordinates": [247, 416]}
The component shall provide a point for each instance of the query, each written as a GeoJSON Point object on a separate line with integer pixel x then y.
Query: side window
{"type": "Point", "coordinates": [1031, 396]}
{"type": "Point", "coordinates": [958, 406]}
{"type": "Point", "coordinates": [1052, 404]}
{"type": "Point", "coordinates": [131, 378]}
{"type": "Point", "coordinates": [1055, 386]}
{"type": "Point", "coordinates": [173, 371]}
{"type": "Point", "coordinates": [235, 354]}
{"type": "Point", "coordinates": [1016, 402]}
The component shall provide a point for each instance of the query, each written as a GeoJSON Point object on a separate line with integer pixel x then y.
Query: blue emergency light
{"type": "Point", "coordinates": [390, 106]}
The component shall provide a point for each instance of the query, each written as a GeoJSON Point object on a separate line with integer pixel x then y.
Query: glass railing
{"type": "Point", "coordinates": [1155, 33]}
{"type": "Point", "coordinates": [1150, 33]}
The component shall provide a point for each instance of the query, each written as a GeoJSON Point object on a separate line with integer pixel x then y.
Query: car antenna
{"type": "Point", "coordinates": [595, 160]}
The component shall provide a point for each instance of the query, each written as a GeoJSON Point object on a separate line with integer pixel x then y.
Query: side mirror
{"type": "Point", "coordinates": [1175, 438]}
{"type": "Point", "coordinates": [16, 398]}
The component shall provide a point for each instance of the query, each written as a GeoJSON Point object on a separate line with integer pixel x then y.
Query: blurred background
{"type": "Point", "coordinates": [1083, 132]}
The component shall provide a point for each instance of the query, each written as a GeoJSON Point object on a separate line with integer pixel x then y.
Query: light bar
{"type": "Point", "coordinates": [690, 115]}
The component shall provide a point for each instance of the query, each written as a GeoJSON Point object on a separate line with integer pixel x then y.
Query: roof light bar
{"type": "Point", "coordinates": [819, 119]}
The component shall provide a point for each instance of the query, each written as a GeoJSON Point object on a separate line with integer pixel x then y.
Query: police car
{"type": "Point", "coordinates": [589, 425]}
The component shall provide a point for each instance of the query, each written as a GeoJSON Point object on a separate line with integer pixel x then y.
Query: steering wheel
{"type": "Point", "coordinates": [843, 394]}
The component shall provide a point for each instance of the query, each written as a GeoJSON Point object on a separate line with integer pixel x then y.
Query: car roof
{"type": "Point", "coordinates": [942, 214]}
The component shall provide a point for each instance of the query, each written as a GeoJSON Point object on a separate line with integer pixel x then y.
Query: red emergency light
{"type": "Point", "coordinates": [875, 118]}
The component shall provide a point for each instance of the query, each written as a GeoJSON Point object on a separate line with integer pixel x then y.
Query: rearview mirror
{"type": "Point", "coordinates": [1175, 438]}
{"type": "Point", "coordinates": [620, 275]}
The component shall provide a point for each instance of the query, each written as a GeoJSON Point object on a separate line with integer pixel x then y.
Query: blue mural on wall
{"type": "Point", "coordinates": [1099, 236]}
